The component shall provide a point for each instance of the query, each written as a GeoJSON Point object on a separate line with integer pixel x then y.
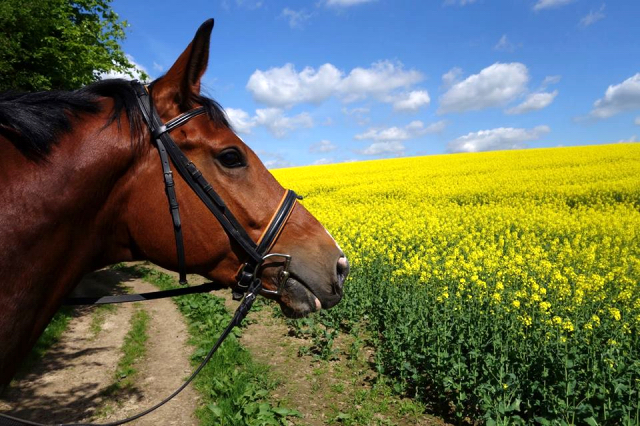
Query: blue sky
{"type": "Point", "coordinates": [324, 81]}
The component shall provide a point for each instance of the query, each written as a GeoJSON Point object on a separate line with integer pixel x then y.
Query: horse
{"type": "Point", "coordinates": [82, 188]}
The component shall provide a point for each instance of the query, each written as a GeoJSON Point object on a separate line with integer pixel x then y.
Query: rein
{"type": "Point", "coordinates": [248, 285]}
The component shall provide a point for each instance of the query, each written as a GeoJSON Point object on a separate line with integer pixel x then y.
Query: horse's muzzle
{"type": "Point", "coordinates": [342, 271]}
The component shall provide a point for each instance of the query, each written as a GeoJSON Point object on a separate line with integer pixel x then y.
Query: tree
{"type": "Point", "coordinates": [59, 44]}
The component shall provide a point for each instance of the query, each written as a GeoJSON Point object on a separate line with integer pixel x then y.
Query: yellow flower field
{"type": "Point", "coordinates": [507, 283]}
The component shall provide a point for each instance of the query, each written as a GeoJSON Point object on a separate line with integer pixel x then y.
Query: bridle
{"type": "Point", "coordinates": [248, 285]}
{"type": "Point", "coordinates": [256, 252]}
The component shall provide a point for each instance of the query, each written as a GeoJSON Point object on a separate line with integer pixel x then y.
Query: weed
{"type": "Point", "coordinates": [133, 350]}
{"type": "Point", "coordinates": [98, 317]}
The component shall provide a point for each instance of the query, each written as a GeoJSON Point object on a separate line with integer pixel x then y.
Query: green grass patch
{"type": "Point", "coordinates": [235, 389]}
{"type": "Point", "coordinates": [98, 317]}
{"type": "Point", "coordinates": [133, 348]}
{"type": "Point", "coordinates": [49, 336]}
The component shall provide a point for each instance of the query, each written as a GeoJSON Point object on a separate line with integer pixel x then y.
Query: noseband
{"type": "Point", "coordinates": [256, 252]}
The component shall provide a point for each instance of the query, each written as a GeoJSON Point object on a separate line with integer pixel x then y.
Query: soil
{"type": "Point", "coordinates": [321, 391]}
{"type": "Point", "coordinates": [70, 383]}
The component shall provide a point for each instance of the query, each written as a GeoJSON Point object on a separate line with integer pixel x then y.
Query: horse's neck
{"type": "Point", "coordinates": [57, 218]}
{"type": "Point", "coordinates": [56, 211]}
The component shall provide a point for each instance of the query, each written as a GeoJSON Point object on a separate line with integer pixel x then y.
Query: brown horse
{"type": "Point", "coordinates": [81, 186]}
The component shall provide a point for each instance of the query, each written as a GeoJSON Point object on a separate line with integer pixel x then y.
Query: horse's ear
{"type": "Point", "coordinates": [183, 79]}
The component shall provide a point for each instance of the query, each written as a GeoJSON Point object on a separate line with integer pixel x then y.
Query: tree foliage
{"type": "Point", "coordinates": [59, 44]}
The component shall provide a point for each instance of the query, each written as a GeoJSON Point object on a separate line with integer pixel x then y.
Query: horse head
{"type": "Point", "coordinates": [317, 268]}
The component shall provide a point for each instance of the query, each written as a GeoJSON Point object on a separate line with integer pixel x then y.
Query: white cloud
{"type": "Point", "coordinates": [358, 114]}
{"type": "Point", "coordinates": [412, 101]}
{"type": "Point", "coordinates": [550, 4]}
{"type": "Point", "coordinates": [249, 4]}
{"type": "Point", "coordinates": [593, 16]}
{"type": "Point", "coordinates": [137, 72]}
{"type": "Point", "coordinates": [637, 121]}
{"type": "Point", "coordinates": [618, 98]}
{"type": "Point", "coordinates": [157, 67]}
{"type": "Point", "coordinates": [285, 87]}
{"type": "Point", "coordinates": [384, 148]}
{"type": "Point", "coordinates": [322, 146]}
{"type": "Point", "coordinates": [279, 124]}
{"type": "Point", "coordinates": [412, 130]}
{"type": "Point", "coordinates": [496, 139]}
{"type": "Point", "coordinates": [240, 120]}
{"type": "Point", "coordinates": [346, 3]}
{"type": "Point", "coordinates": [458, 2]}
{"type": "Point", "coordinates": [504, 45]}
{"type": "Point", "coordinates": [322, 161]}
{"type": "Point", "coordinates": [356, 111]}
{"type": "Point", "coordinates": [451, 77]}
{"type": "Point", "coordinates": [377, 81]}
{"type": "Point", "coordinates": [632, 139]}
{"type": "Point", "coordinates": [436, 127]}
{"type": "Point", "coordinates": [296, 18]}
{"type": "Point", "coordinates": [549, 80]}
{"type": "Point", "coordinates": [534, 102]}
{"type": "Point", "coordinates": [494, 86]}
{"type": "Point", "coordinates": [273, 119]}
{"type": "Point", "coordinates": [273, 160]}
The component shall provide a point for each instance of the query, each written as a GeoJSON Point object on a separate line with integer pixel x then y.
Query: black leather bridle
{"type": "Point", "coordinates": [256, 252]}
{"type": "Point", "coordinates": [248, 285]}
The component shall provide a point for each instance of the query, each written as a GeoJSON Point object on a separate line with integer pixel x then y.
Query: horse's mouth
{"type": "Point", "coordinates": [297, 300]}
{"type": "Point", "coordinates": [301, 295]}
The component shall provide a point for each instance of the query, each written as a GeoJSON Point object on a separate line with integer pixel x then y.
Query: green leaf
{"type": "Point", "coordinates": [343, 416]}
{"type": "Point", "coordinates": [215, 410]}
{"type": "Point", "coordinates": [591, 421]}
{"type": "Point", "coordinates": [542, 421]}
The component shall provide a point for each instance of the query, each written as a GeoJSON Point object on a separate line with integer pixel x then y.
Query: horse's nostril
{"type": "Point", "coordinates": [342, 270]}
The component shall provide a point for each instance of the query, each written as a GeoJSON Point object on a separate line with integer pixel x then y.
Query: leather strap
{"type": "Point", "coordinates": [141, 297]}
{"type": "Point", "coordinates": [170, 190]}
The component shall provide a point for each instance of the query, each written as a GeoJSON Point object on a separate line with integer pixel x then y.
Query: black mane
{"type": "Point", "coordinates": [33, 122]}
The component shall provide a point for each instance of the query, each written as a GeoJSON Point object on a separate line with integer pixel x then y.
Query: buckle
{"type": "Point", "coordinates": [245, 277]}
{"type": "Point", "coordinates": [282, 277]}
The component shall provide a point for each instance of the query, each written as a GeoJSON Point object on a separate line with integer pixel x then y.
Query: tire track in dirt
{"type": "Point", "coordinates": [69, 383]}
{"type": "Point", "coordinates": [164, 369]}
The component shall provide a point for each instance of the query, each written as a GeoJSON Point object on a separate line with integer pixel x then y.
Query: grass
{"type": "Point", "coordinates": [99, 316]}
{"type": "Point", "coordinates": [49, 336]}
{"type": "Point", "coordinates": [234, 389]}
{"type": "Point", "coordinates": [133, 349]}
{"type": "Point", "coordinates": [344, 371]}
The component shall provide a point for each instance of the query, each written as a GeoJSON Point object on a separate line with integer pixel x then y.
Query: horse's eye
{"type": "Point", "coordinates": [231, 158]}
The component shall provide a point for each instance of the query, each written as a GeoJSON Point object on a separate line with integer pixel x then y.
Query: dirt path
{"type": "Point", "coordinates": [164, 369]}
{"type": "Point", "coordinates": [69, 384]}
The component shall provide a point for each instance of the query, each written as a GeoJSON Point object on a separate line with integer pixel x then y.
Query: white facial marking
{"type": "Point", "coordinates": [334, 240]}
